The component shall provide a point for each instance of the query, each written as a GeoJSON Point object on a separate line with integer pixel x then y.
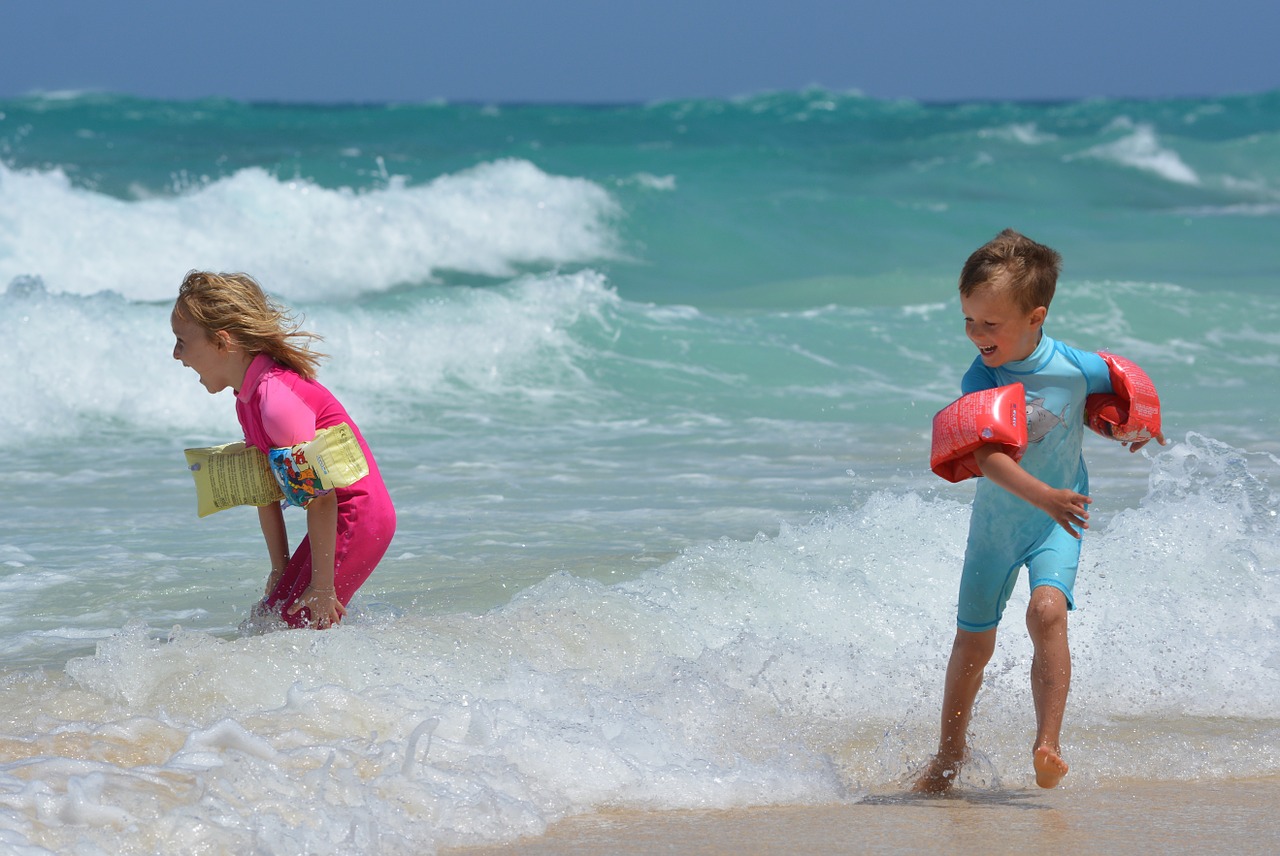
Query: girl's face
{"type": "Point", "coordinates": [1003, 332]}
{"type": "Point", "coordinates": [210, 357]}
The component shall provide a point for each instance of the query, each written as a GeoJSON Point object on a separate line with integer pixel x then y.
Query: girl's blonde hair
{"type": "Point", "coordinates": [234, 302]}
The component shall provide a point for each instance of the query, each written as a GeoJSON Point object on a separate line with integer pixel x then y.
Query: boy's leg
{"type": "Point", "coordinates": [970, 653]}
{"type": "Point", "coordinates": [1050, 679]}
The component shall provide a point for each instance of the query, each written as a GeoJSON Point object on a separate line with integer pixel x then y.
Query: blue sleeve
{"type": "Point", "coordinates": [978, 378]}
{"type": "Point", "coordinates": [1096, 373]}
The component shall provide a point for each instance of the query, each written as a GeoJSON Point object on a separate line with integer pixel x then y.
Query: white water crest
{"type": "Point", "coordinates": [1141, 149]}
{"type": "Point", "coordinates": [298, 238]}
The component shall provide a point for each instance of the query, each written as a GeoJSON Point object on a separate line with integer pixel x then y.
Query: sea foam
{"type": "Point", "coordinates": [300, 239]}
{"type": "Point", "coordinates": [798, 668]}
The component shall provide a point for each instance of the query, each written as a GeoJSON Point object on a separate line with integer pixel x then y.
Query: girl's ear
{"type": "Point", "coordinates": [223, 338]}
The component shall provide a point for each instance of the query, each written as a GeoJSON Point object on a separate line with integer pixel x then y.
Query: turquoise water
{"type": "Point", "coordinates": [651, 386]}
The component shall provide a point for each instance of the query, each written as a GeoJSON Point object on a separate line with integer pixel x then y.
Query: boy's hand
{"type": "Point", "coordinates": [1135, 446]}
{"type": "Point", "coordinates": [1067, 508]}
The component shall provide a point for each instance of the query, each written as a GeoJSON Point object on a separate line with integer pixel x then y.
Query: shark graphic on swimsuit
{"type": "Point", "coordinates": [1040, 421]}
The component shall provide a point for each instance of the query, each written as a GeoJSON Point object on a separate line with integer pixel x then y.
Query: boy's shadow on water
{"type": "Point", "coordinates": [1024, 799]}
{"type": "Point", "coordinates": [978, 784]}
{"type": "Point", "coordinates": [973, 820]}
{"type": "Point", "coordinates": [976, 817]}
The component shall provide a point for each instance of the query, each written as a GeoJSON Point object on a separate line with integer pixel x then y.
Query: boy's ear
{"type": "Point", "coordinates": [1038, 315]}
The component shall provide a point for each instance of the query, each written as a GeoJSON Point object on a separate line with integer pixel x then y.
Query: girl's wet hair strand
{"type": "Point", "coordinates": [236, 304]}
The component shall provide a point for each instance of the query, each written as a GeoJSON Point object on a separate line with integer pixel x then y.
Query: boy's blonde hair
{"type": "Point", "coordinates": [234, 302]}
{"type": "Point", "coordinates": [1026, 271]}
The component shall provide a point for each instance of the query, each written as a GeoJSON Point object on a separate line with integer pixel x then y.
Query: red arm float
{"type": "Point", "coordinates": [1132, 412]}
{"type": "Point", "coordinates": [988, 416]}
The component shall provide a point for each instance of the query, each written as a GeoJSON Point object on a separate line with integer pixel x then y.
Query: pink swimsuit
{"type": "Point", "coordinates": [277, 407]}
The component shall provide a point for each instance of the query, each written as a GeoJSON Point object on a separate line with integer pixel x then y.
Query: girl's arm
{"type": "Point", "coordinates": [320, 597]}
{"type": "Point", "coordinates": [271, 519]}
{"type": "Point", "coordinates": [1066, 507]}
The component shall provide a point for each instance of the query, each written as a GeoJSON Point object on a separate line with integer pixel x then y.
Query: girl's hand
{"type": "Point", "coordinates": [326, 610]}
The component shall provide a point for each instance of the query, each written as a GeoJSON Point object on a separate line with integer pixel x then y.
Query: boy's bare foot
{"type": "Point", "coordinates": [1050, 768]}
{"type": "Point", "coordinates": [937, 778]}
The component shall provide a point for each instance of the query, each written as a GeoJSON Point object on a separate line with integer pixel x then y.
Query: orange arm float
{"type": "Point", "coordinates": [990, 416]}
{"type": "Point", "coordinates": [1131, 412]}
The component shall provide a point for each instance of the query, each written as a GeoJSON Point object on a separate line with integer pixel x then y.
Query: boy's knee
{"type": "Point", "coordinates": [974, 649]}
{"type": "Point", "coordinates": [1048, 607]}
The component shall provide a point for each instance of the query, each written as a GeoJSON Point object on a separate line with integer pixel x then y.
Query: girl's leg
{"type": "Point", "coordinates": [292, 583]}
{"type": "Point", "coordinates": [355, 557]}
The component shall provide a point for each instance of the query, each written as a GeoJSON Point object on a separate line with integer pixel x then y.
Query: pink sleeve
{"type": "Point", "coordinates": [286, 418]}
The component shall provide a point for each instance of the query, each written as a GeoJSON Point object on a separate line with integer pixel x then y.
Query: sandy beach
{"type": "Point", "coordinates": [1237, 817]}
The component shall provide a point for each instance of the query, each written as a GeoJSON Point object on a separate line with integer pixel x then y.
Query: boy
{"type": "Point", "coordinates": [1024, 513]}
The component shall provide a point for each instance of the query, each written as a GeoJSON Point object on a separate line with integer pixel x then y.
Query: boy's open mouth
{"type": "Point", "coordinates": [988, 350]}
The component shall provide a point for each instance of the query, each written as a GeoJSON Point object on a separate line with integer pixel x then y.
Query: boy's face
{"type": "Point", "coordinates": [1003, 332]}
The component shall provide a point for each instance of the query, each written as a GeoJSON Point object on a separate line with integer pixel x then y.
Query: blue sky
{"type": "Point", "coordinates": [604, 51]}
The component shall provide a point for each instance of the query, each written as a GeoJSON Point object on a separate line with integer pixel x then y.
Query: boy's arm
{"type": "Point", "coordinates": [1097, 376]}
{"type": "Point", "coordinates": [1066, 507]}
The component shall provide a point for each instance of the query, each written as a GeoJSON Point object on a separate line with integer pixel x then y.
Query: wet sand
{"type": "Point", "coordinates": [1236, 817]}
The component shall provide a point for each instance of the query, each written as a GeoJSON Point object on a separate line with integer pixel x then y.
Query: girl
{"type": "Point", "coordinates": [233, 336]}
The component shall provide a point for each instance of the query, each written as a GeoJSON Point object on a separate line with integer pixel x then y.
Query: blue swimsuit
{"type": "Point", "coordinates": [1006, 532]}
